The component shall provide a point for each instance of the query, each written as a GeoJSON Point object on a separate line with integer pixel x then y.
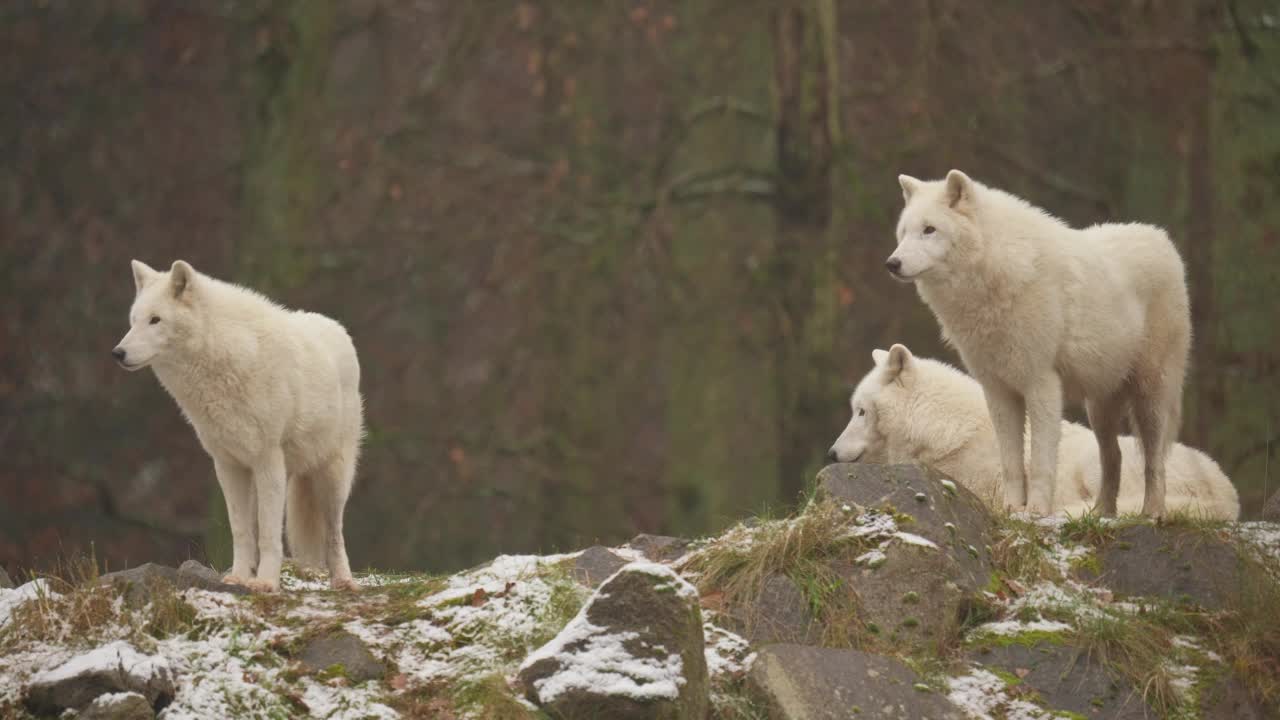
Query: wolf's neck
{"type": "Point", "coordinates": [206, 371]}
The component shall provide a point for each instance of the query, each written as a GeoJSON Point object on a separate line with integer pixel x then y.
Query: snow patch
{"type": "Point", "coordinates": [601, 663]}
{"type": "Point", "coordinates": [11, 599]}
{"type": "Point", "coordinates": [981, 695]}
{"type": "Point", "coordinates": [728, 654]}
{"type": "Point", "coordinates": [913, 539]}
{"type": "Point", "coordinates": [113, 655]}
{"type": "Point", "coordinates": [1014, 627]}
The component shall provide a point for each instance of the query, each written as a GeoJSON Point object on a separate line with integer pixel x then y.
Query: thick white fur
{"type": "Point", "coordinates": [1042, 313]}
{"type": "Point", "coordinates": [274, 397]}
{"type": "Point", "coordinates": [910, 409]}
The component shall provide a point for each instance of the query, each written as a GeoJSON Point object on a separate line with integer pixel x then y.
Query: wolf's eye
{"type": "Point", "coordinates": [861, 412]}
{"type": "Point", "coordinates": [928, 229]}
{"type": "Point", "coordinates": [155, 319]}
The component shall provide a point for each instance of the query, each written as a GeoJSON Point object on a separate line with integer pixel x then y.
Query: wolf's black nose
{"type": "Point", "coordinates": [831, 456]}
{"type": "Point", "coordinates": [894, 264]}
{"type": "Point", "coordinates": [118, 354]}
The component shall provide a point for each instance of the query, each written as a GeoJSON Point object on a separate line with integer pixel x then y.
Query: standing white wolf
{"type": "Point", "coordinates": [1041, 312]}
{"type": "Point", "coordinates": [911, 409]}
{"type": "Point", "coordinates": [273, 395]}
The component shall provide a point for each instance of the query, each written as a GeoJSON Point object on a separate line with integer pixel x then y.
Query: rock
{"type": "Point", "coordinates": [659, 548]}
{"type": "Point", "coordinates": [193, 571]}
{"type": "Point", "coordinates": [1271, 509]}
{"type": "Point", "coordinates": [137, 583]}
{"type": "Point", "coordinates": [798, 682]}
{"type": "Point", "coordinates": [345, 650]}
{"type": "Point", "coordinates": [780, 614]}
{"type": "Point", "coordinates": [594, 565]}
{"type": "Point", "coordinates": [1186, 566]}
{"type": "Point", "coordinates": [118, 706]}
{"type": "Point", "coordinates": [112, 668]}
{"type": "Point", "coordinates": [635, 651]}
{"type": "Point", "coordinates": [1067, 679]}
{"type": "Point", "coordinates": [5, 582]}
{"type": "Point", "coordinates": [1229, 699]}
{"type": "Point", "coordinates": [933, 560]}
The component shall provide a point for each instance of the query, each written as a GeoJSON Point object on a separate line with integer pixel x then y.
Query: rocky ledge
{"type": "Point", "coordinates": [891, 593]}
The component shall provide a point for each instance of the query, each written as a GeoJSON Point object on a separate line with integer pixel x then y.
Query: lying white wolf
{"type": "Point", "coordinates": [274, 397]}
{"type": "Point", "coordinates": [910, 409]}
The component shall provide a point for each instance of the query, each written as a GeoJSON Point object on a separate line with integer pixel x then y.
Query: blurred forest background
{"type": "Point", "coordinates": [612, 266]}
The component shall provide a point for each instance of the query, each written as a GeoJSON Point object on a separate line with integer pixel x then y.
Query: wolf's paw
{"type": "Point", "coordinates": [1154, 510]}
{"type": "Point", "coordinates": [343, 584]}
{"type": "Point", "coordinates": [259, 585]}
{"type": "Point", "coordinates": [234, 580]}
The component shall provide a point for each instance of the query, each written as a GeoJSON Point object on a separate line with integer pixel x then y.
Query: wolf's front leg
{"type": "Point", "coordinates": [269, 482]}
{"type": "Point", "coordinates": [237, 491]}
{"type": "Point", "coordinates": [1008, 418]}
{"type": "Point", "coordinates": [1044, 412]}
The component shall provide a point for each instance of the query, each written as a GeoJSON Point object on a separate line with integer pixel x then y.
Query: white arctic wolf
{"type": "Point", "coordinates": [1041, 312]}
{"type": "Point", "coordinates": [274, 397]}
{"type": "Point", "coordinates": [910, 409]}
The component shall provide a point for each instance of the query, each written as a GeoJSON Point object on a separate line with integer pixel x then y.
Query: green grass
{"type": "Point", "coordinates": [801, 548]}
{"type": "Point", "coordinates": [1019, 551]}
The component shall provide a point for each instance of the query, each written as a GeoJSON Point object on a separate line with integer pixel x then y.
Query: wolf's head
{"type": "Point", "coordinates": [863, 439]}
{"type": "Point", "coordinates": [936, 228]}
{"type": "Point", "coordinates": [162, 316]}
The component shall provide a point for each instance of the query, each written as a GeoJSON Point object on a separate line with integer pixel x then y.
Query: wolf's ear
{"type": "Point", "coordinates": [900, 360]}
{"type": "Point", "coordinates": [878, 356]}
{"type": "Point", "coordinates": [142, 274]}
{"type": "Point", "coordinates": [181, 276]}
{"type": "Point", "coordinates": [909, 186]}
{"type": "Point", "coordinates": [959, 188]}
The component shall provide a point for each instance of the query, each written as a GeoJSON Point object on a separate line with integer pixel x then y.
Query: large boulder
{"type": "Point", "coordinates": [343, 653]}
{"type": "Point", "coordinates": [798, 682]}
{"type": "Point", "coordinates": [930, 559]}
{"type": "Point", "coordinates": [113, 668]}
{"type": "Point", "coordinates": [634, 651]}
{"type": "Point", "coordinates": [137, 584]}
{"type": "Point", "coordinates": [1185, 566]}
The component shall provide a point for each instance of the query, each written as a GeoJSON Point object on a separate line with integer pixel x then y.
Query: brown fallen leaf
{"type": "Point", "coordinates": [399, 681]}
{"type": "Point", "coordinates": [479, 597]}
{"type": "Point", "coordinates": [1021, 672]}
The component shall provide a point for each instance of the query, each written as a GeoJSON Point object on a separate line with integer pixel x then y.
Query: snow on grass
{"type": "Point", "coordinates": [1264, 536]}
{"type": "Point", "coordinates": [482, 623]}
{"type": "Point", "coordinates": [10, 599]}
{"type": "Point", "coordinates": [981, 695]}
{"type": "Point", "coordinates": [357, 703]}
{"type": "Point", "coordinates": [728, 654]}
{"type": "Point", "coordinates": [109, 657]}
{"type": "Point", "coordinates": [1015, 627]}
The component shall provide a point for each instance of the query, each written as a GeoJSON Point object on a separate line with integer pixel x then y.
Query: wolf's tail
{"type": "Point", "coordinates": [305, 524]}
